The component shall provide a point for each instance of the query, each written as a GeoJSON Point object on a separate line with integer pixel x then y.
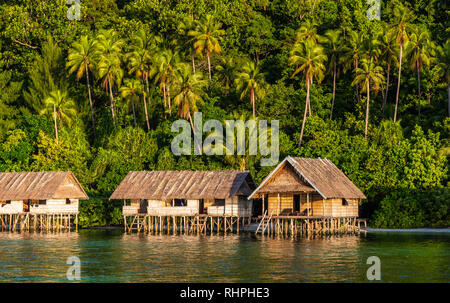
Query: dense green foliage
{"type": "Point", "coordinates": [98, 95]}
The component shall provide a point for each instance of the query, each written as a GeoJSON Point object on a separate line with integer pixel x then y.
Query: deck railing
{"type": "Point", "coordinates": [172, 211]}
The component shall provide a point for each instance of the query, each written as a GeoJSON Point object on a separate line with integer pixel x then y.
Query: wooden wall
{"type": "Point", "coordinates": [319, 206]}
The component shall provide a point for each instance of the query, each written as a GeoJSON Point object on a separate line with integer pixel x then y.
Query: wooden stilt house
{"type": "Point", "coordinates": [186, 193]}
{"type": "Point", "coordinates": [308, 187]}
{"type": "Point", "coordinates": [37, 196]}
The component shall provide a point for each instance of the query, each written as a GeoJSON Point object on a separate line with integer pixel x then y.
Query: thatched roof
{"type": "Point", "coordinates": [40, 186]}
{"type": "Point", "coordinates": [319, 175]}
{"type": "Point", "coordinates": [167, 185]}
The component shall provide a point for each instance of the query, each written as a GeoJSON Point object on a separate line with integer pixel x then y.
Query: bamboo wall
{"type": "Point", "coordinates": [51, 206]}
{"type": "Point", "coordinates": [319, 206]}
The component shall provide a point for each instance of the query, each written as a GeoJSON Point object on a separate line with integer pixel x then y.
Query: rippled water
{"type": "Point", "coordinates": [111, 256]}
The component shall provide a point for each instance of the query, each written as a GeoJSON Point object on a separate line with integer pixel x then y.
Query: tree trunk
{"type": "Point", "coordinates": [387, 87]}
{"type": "Point", "coordinates": [398, 83]}
{"type": "Point", "coordinates": [145, 102]}
{"type": "Point", "coordinates": [334, 91]}
{"type": "Point", "coordinates": [252, 100]}
{"type": "Point", "coordinates": [304, 115]}
{"type": "Point", "coordinates": [168, 98]}
{"type": "Point", "coordinates": [193, 60]}
{"type": "Point", "coordinates": [112, 100]}
{"type": "Point", "coordinates": [209, 64]}
{"type": "Point", "coordinates": [90, 100]}
{"type": "Point", "coordinates": [134, 112]}
{"type": "Point", "coordinates": [418, 84]}
{"type": "Point", "coordinates": [193, 132]}
{"type": "Point", "coordinates": [56, 126]}
{"type": "Point", "coordinates": [367, 110]}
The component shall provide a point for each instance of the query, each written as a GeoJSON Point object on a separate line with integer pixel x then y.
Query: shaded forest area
{"type": "Point", "coordinates": [97, 96]}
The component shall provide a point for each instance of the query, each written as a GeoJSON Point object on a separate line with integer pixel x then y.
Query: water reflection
{"type": "Point", "coordinates": [111, 256]}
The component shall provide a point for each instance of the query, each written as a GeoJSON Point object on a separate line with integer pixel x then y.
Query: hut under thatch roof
{"type": "Point", "coordinates": [187, 192]}
{"type": "Point", "coordinates": [308, 187]}
{"type": "Point", "coordinates": [40, 192]}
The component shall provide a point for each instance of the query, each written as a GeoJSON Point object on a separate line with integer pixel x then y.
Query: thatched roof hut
{"type": "Point", "coordinates": [200, 192]}
{"type": "Point", "coordinates": [167, 185]}
{"type": "Point", "coordinates": [40, 186]}
{"type": "Point", "coordinates": [297, 183]}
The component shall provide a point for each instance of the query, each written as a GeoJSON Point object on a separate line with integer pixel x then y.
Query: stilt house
{"type": "Point", "coordinates": [308, 187]}
{"type": "Point", "coordinates": [186, 193]}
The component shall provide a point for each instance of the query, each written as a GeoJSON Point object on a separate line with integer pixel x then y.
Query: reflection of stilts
{"type": "Point", "coordinates": [199, 224]}
{"type": "Point", "coordinates": [38, 222]}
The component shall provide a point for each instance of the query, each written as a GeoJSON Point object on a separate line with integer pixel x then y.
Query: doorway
{"type": "Point", "coordinates": [296, 203]}
{"type": "Point", "coordinates": [201, 206]}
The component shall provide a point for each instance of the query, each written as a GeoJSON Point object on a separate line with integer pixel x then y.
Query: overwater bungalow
{"type": "Point", "coordinates": [312, 191]}
{"type": "Point", "coordinates": [39, 200]}
{"type": "Point", "coordinates": [191, 199]}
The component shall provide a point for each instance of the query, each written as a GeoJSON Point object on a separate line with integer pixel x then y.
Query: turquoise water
{"type": "Point", "coordinates": [111, 256]}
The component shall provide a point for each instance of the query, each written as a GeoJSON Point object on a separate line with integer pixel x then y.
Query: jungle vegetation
{"type": "Point", "coordinates": [98, 95]}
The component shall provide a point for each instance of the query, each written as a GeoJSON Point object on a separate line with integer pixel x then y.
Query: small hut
{"type": "Point", "coordinates": [308, 187]}
{"type": "Point", "coordinates": [25, 195]}
{"type": "Point", "coordinates": [186, 193]}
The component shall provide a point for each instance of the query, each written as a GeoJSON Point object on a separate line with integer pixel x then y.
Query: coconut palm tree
{"type": "Point", "coordinates": [352, 52]}
{"type": "Point", "coordinates": [108, 53]}
{"type": "Point", "coordinates": [369, 76]}
{"type": "Point", "coordinates": [250, 80]}
{"type": "Point", "coordinates": [419, 51]}
{"type": "Point", "coordinates": [332, 41]}
{"type": "Point", "coordinates": [80, 59]}
{"type": "Point", "coordinates": [307, 31]}
{"type": "Point", "coordinates": [163, 70]}
{"type": "Point", "coordinates": [189, 87]}
{"type": "Point", "coordinates": [62, 107]}
{"type": "Point", "coordinates": [226, 71]}
{"type": "Point", "coordinates": [207, 36]}
{"type": "Point", "coordinates": [131, 90]}
{"type": "Point", "coordinates": [308, 58]}
{"type": "Point", "coordinates": [184, 27]}
{"type": "Point", "coordinates": [388, 56]}
{"type": "Point", "coordinates": [400, 30]}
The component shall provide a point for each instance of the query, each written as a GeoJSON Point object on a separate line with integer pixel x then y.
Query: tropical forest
{"type": "Point", "coordinates": [93, 87]}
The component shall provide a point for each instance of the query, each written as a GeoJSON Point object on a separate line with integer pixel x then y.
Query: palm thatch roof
{"type": "Point", "coordinates": [167, 185]}
{"type": "Point", "coordinates": [312, 175]}
{"type": "Point", "coordinates": [40, 186]}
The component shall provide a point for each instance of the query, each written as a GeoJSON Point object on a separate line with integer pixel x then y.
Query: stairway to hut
{"type": "Point", "coordinates": [264, 224]}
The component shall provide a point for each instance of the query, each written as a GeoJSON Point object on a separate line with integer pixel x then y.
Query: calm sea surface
{"type": "Point", "coordinates": [111, 256]}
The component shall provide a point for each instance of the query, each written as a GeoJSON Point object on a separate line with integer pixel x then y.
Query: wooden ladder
{"type": "Point", "coordinates": [265, 221]}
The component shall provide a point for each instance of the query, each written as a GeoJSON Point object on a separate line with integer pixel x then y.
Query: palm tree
{"type": "Point", "coordinates": [108, 51]}
{"type": "Point", "coordinates": [309, 59]}
{"type": "Point", "coordinates": [206, 37]}
{"type": "Point", "coordinates": [332, 40]}
{"type": "Point", "coordinates": [184, 27]}
{"type": "Point", "coordinates": [369, 73]}
{"type": "Point", "coordinates": [352, 52]}
{"type": "Point", "coordinates": [250, 80]}
{"type": "Point", "coordinates": [62, 107]}
{"type": "Point", "coordinates": [131, 91]}
{"type": "Point", "coordinates": [443, 66]}
{"type": "Point", "coordinates": [189, 87]}
{"type": "Point", "coordinates": [80, 59]}
{"type": "Point", "coordinates": [139, 62]}
{"type": "Point", "coordinates": [111, 73]}
{"type": "Point", "coordinates": [419, 51]}
{"type": "Point", "coordinates": [226, 71]}
{"type": "Point", "coordinates": [164, 69]}
{"type": "Point", "coordinates": [307, 31]}
{"type": "Point", "coordinates": [400, 30]}
{"type": "Point", "coordinates": [389, 56]}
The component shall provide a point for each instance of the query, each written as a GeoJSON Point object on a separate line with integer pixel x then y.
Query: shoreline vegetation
{"type": "Point", "coordinates": [98, 96]}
